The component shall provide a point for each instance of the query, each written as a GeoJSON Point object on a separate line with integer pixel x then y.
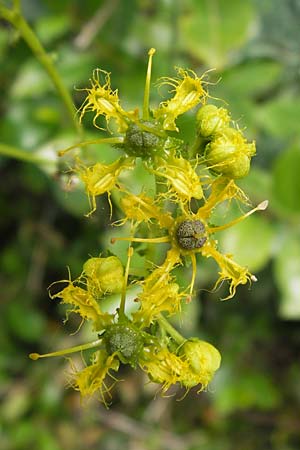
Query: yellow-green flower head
{"type": "Point", "coordinates": [229, 154]}
{"type": "Point", "coordinates": [103, 275]}
{"type": "Point", "coordinates": [203, 358]}
{"type": "Point", "coordinates": [164, 367]}
{"type": "Point", "coordinates": [182, 180]}
{"type": "Point", "coordinates": [101, 178]}
{"type": "Point", "coordinates": [159, 294]}
{"type": "Point", "coordinates": [83, 303]}
{"type": "Point", "coordinates": [103, 101]}
{"type": "Point", "coordinates": [139, 208]}
{"type": "Point", "coordinates": [211, 120]}
{"type": "Point", "coordinates": [188, 93]}
{"type": "Point", "coordinates": [191, 233]}
{"type": "Point", "coordinates": [94, 377]}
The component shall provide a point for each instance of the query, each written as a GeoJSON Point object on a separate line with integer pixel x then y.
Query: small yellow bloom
{"type": "Point", "coordinates": [102, 100]}
{"type": "Point", "coordinates": [182, 180]}
{"type": "Point", "coordinates": [102, 178]}
{"type": "Point", "coordinates": [203, 358]}
{"type": "Point", "coordinates": [211, 120]}
{"type": "Point", "coordinates": [103, 275]}
{"type": "Point", "coordinates": [160, 293]}
{"type": "Point", "coordinates": [189, 92]}
{"type": "Point", "coordinates": [230, 270]}
{"type": "Point", "coordinates": [139, 208]}
{"type": "Point", "coordinates": [229, 154]}
{"type": "Point", "coordinates": [164, 367]}
{"type": "Point", "coordinates": [85, 301]}
{"type": "Point", "coordinates": [93, 378]}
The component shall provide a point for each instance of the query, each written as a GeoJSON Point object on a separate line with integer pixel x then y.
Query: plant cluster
{"type": "Point", "coordinates": [191, 181]}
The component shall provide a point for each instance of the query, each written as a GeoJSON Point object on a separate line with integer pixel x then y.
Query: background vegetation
{"type": "Point", "coordinates": [254, 401]}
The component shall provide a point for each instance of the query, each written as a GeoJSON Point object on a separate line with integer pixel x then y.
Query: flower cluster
{"type": "Point", "coordinates": [191, 182]}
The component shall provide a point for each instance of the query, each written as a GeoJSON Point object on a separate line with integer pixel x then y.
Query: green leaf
{"type": "Point", "coordinates": [286, 181]}
{"type": "Point", "coordinates": [249, 241]}
{"type": "Point", "coordinates": [280, 116]}
{"type": "Point", "coordinates": [49, 28]}
{"type": "Point", "coordinates": [240, 391]}
{"type": "Point", "coordinates": [250, 78]}
{"type": "Point", "coordinates": [257, 185]}
{"type": "Point", "coordinates": [213, 29]}
{"type": "Point", "coordinates": [287, 276]}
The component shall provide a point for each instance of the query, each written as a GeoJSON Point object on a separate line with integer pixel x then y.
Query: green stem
{"type": "Point", "coordinates": [20, 154]}
{"type": "Point", "coordinates": [14, 16]}
{"type": "Point", "coordinates": [163, 322]}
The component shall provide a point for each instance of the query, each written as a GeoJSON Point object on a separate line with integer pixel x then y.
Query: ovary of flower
{"type": "Point", "coordinates": [92, 378]}
{"type": "Point", "coordinates": [102, 100]}
{"type": "Point", "coordinates": [183, 182]}
{"type": "Point", "coordinates": [189, 92]}
{"type": "Point", "coordinates": [101, 178]}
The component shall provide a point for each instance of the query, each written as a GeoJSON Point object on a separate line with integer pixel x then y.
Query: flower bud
{"type": "Point", "coordinates": [229, 154]}
{"type": "Point", "coordinates": [204, 359]}
{"type": "Point", "coordinates": [104, 275]}
{"type": "Point", "coordinates": [211, 120]}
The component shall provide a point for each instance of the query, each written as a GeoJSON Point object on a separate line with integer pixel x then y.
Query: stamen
{"type": "Point", "coordinates": [194, 268]}
{"type": "Point", "coordinates": [77, 348]}
{"type": "Point", "coordinates": [261, 207]}
{"type": "Point", "coordinates": [147, 85]}
{"type": "Point", "coordinates": [113, 140]}
{"type": "Point", "coordinates": [149, 240]}
{"type": "Point", "coordinates": [123, 295]}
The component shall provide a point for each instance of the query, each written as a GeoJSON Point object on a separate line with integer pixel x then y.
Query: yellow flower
{"type": "Point", "coordinates": [139, 208]}
{"type": "Point", "coordinates": [159, 293]}
{"type": "Point", "coordinates": [164, 367]}
{"type": "Point", "coordinates": [101, 178]}
{"type": "Point", "coordinates": [189, 92]}
{"type": "Point", "coordinates": [211, 120]}
{"type": "Point", "coordinates": [103, 101]}
{"type": "Point", "coordinates": [203, 358]}
{"type": "Point", "coordinates": [103, 275]}
{"type": "Point", "coordinates": [100, 276]}
{"type": "Point", "coordinates": [194, 364]}
{"type": "Point", "coordinates": [94, 377]}
{"type": "Point", "coordinates": [182, 180]}
{"type": "Point", "coordinates": [229, 154]}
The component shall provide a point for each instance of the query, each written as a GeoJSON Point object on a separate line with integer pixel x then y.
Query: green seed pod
{"type": "Point", "coordinates": [104, 275]}
{"type": "Point", "coordinates": [126, 340]}
{"type": "Point", "coordinates": [141, 142]}
{"type": "Point", "coordinates": [211, 120]}
{"type": "Point", "coordinates": [190, 234]}
{"type": "Point", "coordinates": [229, 154]}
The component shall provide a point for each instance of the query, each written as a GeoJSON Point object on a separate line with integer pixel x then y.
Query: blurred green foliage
{"type": "Point", "coordinates": [254, 402]}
